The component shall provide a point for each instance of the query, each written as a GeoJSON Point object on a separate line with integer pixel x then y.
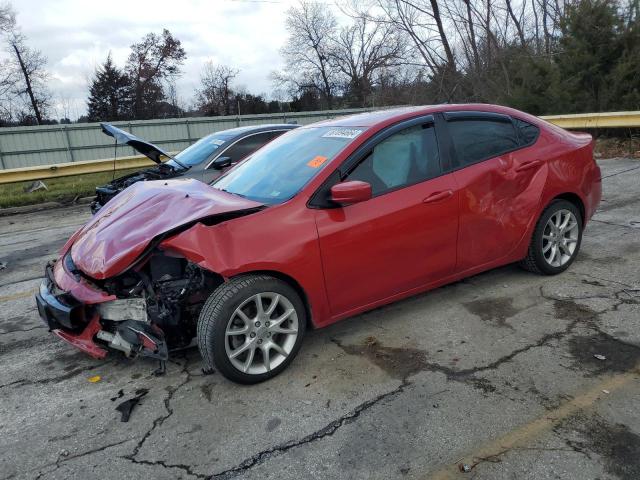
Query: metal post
{"type": "Point", "coordinates": [66, 136]}
{"type": "Point", "coordinates": [2, 166]}
{"type": "Point", "coordinates": [188, 131]}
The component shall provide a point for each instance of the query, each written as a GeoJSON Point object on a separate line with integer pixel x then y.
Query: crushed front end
{"type": "Point", "coordinates": [147, 310]}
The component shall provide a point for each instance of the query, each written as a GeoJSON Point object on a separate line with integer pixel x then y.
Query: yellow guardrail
{"type": "Point", "coordinates": [41, 172]}
{"type": "Point", "coordinates": [596, 120]}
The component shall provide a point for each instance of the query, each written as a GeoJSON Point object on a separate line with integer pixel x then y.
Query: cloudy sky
{"type": "Point", "coordinates": [76, 35]}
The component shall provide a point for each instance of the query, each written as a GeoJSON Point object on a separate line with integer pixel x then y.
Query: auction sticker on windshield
{"type": "Point", "coordinates": [342, 133]}
{"type": "Point", "coordinates": [315, 162]}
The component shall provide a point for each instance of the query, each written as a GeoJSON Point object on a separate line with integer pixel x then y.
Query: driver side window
{"type": "Point", "coordinates": [407, 157]}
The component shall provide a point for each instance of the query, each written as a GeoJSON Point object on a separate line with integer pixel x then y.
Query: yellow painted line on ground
{"type": "Point", "coordinates": [528, 432]}
{"type": "Point", "coordinates": [17, 296]}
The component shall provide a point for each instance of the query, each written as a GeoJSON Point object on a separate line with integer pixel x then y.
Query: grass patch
{"type": "Point", "coordinates": [62, 189]}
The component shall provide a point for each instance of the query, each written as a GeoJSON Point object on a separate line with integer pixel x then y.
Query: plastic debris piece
{"type": "Point", "coordinates": [600, 357]}
{"type": "Point", "coordinates": [464, 467]}
{"type": "Point", "coordinates": [95, 379]}
{"type": "Point", "coordinates": [125, 408]}
{"type": "Point", "coordinates": [37, 185]}
{"type": "Point", "coordinates": [606, 391]}
{"type": "Point", "coordinates": [64, 453]}
{"type": "Point", "coordinates": [120, 394]}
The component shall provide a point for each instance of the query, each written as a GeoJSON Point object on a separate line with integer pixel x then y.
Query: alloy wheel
{"type": "Point", "coordinates": [560, 238]}
{"type": "Point", "coordinates": [261, 333]}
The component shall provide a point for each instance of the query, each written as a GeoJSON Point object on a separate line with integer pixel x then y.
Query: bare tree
{"type": "Point", "coordinates": [23, 76]}
{"type": "Point", "coordinates": [152, 61]}
{"type": "Point", "coordinates": [364, 50]}
{"type": "Point", "coordinates": [215, 95]}
{"type": "Point", "coordinates": [312, 28]}
{"type": "Point", "coordinates": [7, 18]}
{"type": "Point", "coordinates": [29, 77]}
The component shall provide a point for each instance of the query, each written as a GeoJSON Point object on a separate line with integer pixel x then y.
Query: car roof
{"type": "Point", "coordinates": [381, 118]}
{"type": "Point", "coordinates": [244, 130]}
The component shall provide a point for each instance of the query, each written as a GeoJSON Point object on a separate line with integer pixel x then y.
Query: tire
{"type": "Point", "coordinates": [244, 343]}
{"type": "Point", "coordinates": [541, 248]}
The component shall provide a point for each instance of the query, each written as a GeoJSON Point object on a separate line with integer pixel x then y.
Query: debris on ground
{"type": "Point", "coordinates": [64, 453]}
{"type": "Point", "coordinates": [126, 407]}
{"type": "Point", "coordinates": [599, 357]}
{"type": "Point", "coordinates": [161, 370]}
{"type": "Point", "coordinates": [34, 186]}
{"type": "Point", "coordinates": [464, 467]}
{"type": "Point", "coordinates": [120, 394]}
{"type": "Point", "coordinates": [371, 341]}
{"type": "Point", "coordinates": [95, 379]}
{"type": "Point", "coordinates": [606, 391]}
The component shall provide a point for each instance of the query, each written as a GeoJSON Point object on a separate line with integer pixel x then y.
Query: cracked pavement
{"type": "Point", "coordinates": [496, 372]}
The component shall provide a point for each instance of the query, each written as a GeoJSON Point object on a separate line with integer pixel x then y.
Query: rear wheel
{"type": "Point", "coordinates": [251, 328]}
{"type": "Point", "coordinates": [556, 239]}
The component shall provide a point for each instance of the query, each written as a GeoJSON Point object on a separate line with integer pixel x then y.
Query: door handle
{"type": "Point", "coordinates": [528, 165]}
{"type": "Point", "coordinates": [437, 196]}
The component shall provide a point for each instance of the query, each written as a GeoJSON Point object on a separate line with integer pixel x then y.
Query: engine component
{"type": "Point", "coordinates": [135, 338]}
{"type": "Point", "coordinates": [124, 309]}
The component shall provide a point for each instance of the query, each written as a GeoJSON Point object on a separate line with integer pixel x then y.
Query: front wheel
{"type": "Point", "coordinates": [556, 239]}
{"type": "Point", "coordinates": [251, 328]}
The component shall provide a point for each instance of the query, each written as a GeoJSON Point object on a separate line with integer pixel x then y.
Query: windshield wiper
{"type": "Point", "coordinates": [232, 193]}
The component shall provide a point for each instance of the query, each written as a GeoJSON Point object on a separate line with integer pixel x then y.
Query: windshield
{"type": "Point", "coordinates": [199, 151]}
{"type": "Point", "coordinates": [280, 169]}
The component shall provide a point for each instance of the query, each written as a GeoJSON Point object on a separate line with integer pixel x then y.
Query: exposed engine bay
{"type": "Point", "coordinates": [156, 308]}
{"type": "Point", "coordinates": [111, 189]}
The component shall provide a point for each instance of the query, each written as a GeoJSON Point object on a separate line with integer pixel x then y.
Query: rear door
{"type": "Point", "coordinates": [500, 178]}
{"type": "Point", "coordinates": [402, 238]}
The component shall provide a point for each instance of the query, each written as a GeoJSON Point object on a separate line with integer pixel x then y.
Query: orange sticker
{"type": "Point", "coordinates": [315, 162]}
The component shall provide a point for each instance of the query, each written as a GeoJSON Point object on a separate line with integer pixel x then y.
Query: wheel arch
{"type": "Point", "coordinates": [574, 199]}
{"type": "Point", "coordinates": [293, 283]}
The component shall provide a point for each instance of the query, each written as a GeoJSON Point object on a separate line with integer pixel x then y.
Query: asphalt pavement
{"type": "Point", "coordinates": [504, 375]}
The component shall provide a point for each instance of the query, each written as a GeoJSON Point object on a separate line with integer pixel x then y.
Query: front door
{"type": "Point", "coordinates": [402, 238]}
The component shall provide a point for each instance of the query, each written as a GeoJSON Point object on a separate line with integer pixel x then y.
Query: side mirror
{"type": "Point", "coordinates": [355, 191]}
{"type": "Point", "coordinates": [221, 162]}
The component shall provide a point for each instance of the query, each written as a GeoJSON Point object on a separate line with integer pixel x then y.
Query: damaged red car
{"type": "Point", "coordinates": [324, 222]}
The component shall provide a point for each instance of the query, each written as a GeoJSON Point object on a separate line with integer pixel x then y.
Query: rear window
{"type": "Point", "coordinates": [477, 140]}
{"type": "Point", "coordinates": [527, 133]}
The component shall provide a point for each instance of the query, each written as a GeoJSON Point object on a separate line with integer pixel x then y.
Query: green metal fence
{"type": "Point", "coordinates": [52, 144]}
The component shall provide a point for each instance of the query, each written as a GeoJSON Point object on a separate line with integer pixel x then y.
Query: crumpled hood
{"type": "Point", "coordinates": [121, 231]}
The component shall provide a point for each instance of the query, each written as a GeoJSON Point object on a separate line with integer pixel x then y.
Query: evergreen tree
{"type": "Point", "coordinates": [109, 94]}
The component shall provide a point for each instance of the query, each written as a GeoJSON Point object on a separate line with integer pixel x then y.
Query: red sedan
{"type": "Point", "coordinates": [326, 221]}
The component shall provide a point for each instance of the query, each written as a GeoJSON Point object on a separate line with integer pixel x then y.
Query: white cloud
{"type": "Point", "coordinates": [76, 36]}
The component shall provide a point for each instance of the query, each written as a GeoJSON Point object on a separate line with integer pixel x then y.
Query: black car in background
{"type": "Point", "coordinates": [205, 160]}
